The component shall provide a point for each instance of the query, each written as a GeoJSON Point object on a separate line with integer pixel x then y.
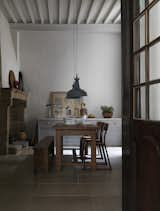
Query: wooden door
{"type": "Point", "coordinates": [0, 69]}
{"type": "Point", "coordinates": [141, 104]}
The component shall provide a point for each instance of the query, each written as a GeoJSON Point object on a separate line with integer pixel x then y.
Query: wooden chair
{"type": "Point", "coordinates": [87, 139]}
{"type": "Point", "coordinates": [100, 143]}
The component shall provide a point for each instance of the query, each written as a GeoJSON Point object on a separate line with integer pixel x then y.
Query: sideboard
{"type": "Point", "coordinates": [114, 136]}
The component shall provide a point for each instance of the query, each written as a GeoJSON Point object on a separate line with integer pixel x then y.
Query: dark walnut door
{"type": "Point", "coordinates": [141, 104]}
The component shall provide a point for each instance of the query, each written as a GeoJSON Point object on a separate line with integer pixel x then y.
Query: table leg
{"type": "Point", "coordinates": [58, 152]}
{"type": "Point", "coordinates": [62, 147]}
{"type": "Point", "coordinates": [93, 152]}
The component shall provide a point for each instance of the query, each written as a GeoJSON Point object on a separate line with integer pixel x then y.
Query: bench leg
{"type": "Point", "coordinates": [41, 160]}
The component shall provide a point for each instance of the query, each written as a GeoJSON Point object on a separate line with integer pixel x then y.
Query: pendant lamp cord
{"type": "Point", "coordinates": [75, 44]}
{"type": "Point", "coordinates": [74, 49]}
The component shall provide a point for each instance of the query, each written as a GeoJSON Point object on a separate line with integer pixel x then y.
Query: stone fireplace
{"type": "Point", "coordinates": [12, 108]}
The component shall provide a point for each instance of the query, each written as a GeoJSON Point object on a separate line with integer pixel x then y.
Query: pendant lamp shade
{"type": "Point", "coordinates": [76, 92]}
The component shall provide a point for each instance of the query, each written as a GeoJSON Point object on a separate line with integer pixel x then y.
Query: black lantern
{"type": "Point", "coordinates": [76, 92]}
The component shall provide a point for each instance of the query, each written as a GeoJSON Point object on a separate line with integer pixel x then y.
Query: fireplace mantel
{"type": "Point", "coordinates": [8, 95]}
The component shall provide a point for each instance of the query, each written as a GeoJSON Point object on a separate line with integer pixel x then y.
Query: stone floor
{"type": "Point", "coordinates": [71, 189]}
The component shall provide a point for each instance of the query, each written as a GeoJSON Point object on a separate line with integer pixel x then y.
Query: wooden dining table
{"type": "Point", "coordinates": [74, 130]}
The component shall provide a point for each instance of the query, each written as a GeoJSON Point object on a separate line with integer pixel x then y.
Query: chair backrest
{"type": "Point", "coordinates": [100, 130]}
{"type": "Point", "coordinates": [105, 130]}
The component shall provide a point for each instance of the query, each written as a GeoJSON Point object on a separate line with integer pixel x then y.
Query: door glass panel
{"type": "Point", "coordinates": [154, 22]}
{"type": "Point", "coordinates": [155, 62]}
{"type": "Point", "coordinates": [143, 102]}
{"type": "Point", "coordinates": [140, 103]}
{"type": "Point", "coordinates": [139, 6]}
{"type": "Point", "coordinates": [139, 33]}
{"type": "Point", "coordinates": [136, 103]}
{"type": "Point", "coordinates": [154, 102]}
{"type": "Point", "coordinates": [139, 70]}
{"type": "Point", "coordinates": [146, 85]}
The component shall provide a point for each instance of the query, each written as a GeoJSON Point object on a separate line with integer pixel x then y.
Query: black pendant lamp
{"type": "Point", "coordinates": [76, 92]}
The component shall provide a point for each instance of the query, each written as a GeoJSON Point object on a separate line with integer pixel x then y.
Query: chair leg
{"type": "Point", "coordinates": [103, 153]}
{"type": "Point", "coordinates": [86, 148]}
{"type": "Point", "coordinates": [81, 148]}
{"type": "Point", "coordinates": [51, 149]}
{"type": "Point", "coordinates": [82, 151]}
{"type": "Point", "coordinates": [74, 155]}
{"type": "Point", "coordinates": [110, 167]}
{"type": "Point", "coordinates": [98, 153]}
{"type": "Point", "coordinates": [99, 147]}
{"type": "Point", "coordinates": [84, 155]}
{"type": "Point", "coordinates": [105, 159]}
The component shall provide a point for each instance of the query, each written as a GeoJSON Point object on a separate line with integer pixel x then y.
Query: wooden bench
{"type": "Point", "coordinates": [41, 154]}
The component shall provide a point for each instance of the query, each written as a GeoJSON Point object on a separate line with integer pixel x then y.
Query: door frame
{"type": "Point", "coordinates": [0, 63]}
{"type": "Point", "coordinates": [128, 146]}
{"type": "Point", "coordinates": [138, 136]}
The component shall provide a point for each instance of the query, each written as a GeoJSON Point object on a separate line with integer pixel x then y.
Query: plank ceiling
{"type": "Point", "coordinates": [62, 11]}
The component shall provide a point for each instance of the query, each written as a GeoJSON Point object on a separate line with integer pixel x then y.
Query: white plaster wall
{"type": "Point", "coordinates": [46, 59]}
{"type": "Point", "coordinates": [8, 53]}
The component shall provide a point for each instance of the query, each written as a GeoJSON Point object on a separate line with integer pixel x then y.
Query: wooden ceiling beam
{"type": "Point", "coordinates": [99, 12]}
{"type": "Point", "coordinates": [31, 14]}
{"type": "Point", "coordinates": [89, 11]}
{"type": "Point", "coordinates": [59, 11]}
{"type": "Point", "coordinates": [118, 19]}
{"type": "Point", "coordinates": [109, 11]}
{"type": "Point", "coordinates": [4, 11]}
{"type": "Point", "coordinates": [19, 10]}
{"type": "Point", "coordinates": [10, 11]}
{"type": "Point", "coordinates": [116, 15]}
{"type": "Point", "coordinates": [50, 11]}
{"type": "Point", "coordinates": [40, 10]}
{"type": "Point", "coordinates": [69, 12]}
{"type": "Point", "coordinates": [102, 14]}
{"type": "Point", "coordinates": [78, 13]}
